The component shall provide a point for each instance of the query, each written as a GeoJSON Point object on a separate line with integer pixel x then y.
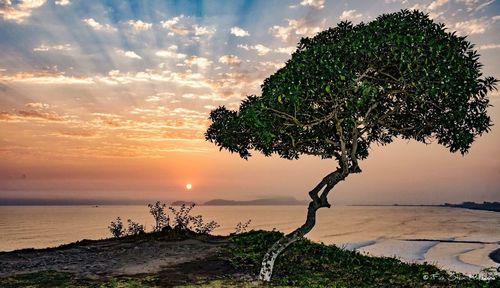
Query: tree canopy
{"type": "Point", "coordinates": [399, 76]}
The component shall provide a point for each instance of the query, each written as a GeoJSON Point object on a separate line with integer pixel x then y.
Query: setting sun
{"type": "Point", "coordinates": [189, 186]}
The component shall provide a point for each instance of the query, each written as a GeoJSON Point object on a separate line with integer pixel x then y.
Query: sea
{"type": "Point", "coordinates": [454, 239]}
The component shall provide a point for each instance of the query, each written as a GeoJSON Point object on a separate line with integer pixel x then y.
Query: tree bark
{"type": "Point", "coordinates": [318, 201]}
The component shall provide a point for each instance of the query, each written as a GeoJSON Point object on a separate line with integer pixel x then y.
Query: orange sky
{"type": "Point", "coordinates": [403, 172]}
{"type": "Point", "coordinates": [102, 102]}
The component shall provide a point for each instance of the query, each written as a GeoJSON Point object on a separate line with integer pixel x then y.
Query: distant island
{"type": "Point", "coordinates": [264, 201]}
{"type": "Point", "coordinates": [180, 203]}
{"type": "Point", "coordinates": [488, 206]}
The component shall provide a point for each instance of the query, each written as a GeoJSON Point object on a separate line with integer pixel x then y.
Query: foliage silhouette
{"type": "Point", "coordinates": [116, 228]}
{"type": "Point", "coordinates": [134, 228]}
{"type": "Point", "coordinates": [161, 219]}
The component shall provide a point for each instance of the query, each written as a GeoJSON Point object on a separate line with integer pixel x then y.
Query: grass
{"type": "Point", "coordinates": [309, 264]}
{"type": "Point", "coordinates": [303, 264]}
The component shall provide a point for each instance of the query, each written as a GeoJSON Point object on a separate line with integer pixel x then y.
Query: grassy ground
{"type": "Point", "coordinates": [304, 264]}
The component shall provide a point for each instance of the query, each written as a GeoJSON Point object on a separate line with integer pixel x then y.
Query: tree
{"type": "Point", "coordinates": [399, 76]}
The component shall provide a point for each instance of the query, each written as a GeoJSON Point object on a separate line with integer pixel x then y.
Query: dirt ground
{"type": "Point", "coordinates": [180, 261]}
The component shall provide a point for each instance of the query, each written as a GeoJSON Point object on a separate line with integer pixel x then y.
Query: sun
{"type": "Point", "coordinates": [189, 186]}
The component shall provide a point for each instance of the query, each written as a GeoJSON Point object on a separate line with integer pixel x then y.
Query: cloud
{"type": "Point", "coordinates": [20, 10]}
{"type": "Point", "coordinates": [484, 5]}
{"type": "Point", "coordinates": [153, 99]}
{"type": "Point", "coordinates": [473, 26]}
{"type": "Point", "coordinates": [261, 49]}
{"type": "Point", "coordinates": [77, 133]}
{"type": "Point", "coordinates": [489, 46]}
{"type": "Point", "coordinates": [285, 50]}
{"type": "Point", "coordinates": [170, 53]}
{"type": "Point", "coordinates": [193, 80]}
{"type": "Point", "coordinates": [230, 60]}
{"type": "Point", "coordinates": [350, 15]}
{"type": "Point", "coordinates": [37, 111]}
{"type": "Point", "coordinates": [201, 62]}
{"type": "Point", "coordinates": [98, 26]}
{"type": "Point", "coordinates": [239, 32]}
{"type": "Point", "coordinates": [45, 48]}
{"type": "Point", "coordinates": [203, 30]}
{"type": "Point", "coordinates": [174, 26]}
{"type": "Point", "coordinates": [181, 25]}
{"type": "Point", "coordinates": [296, 27]}
{"type": "Point", "coordinates": [37, 105]}
{"type": "Point", "coordinates": [44, 77]}
{"type": "Point", "coordinates": [318, 4]}
{"type": "Point", "coordinates": [475, 5]}
{"type": "Point", "coordinates": [139, 25]}
{"type": "Point", "coordinates": [129, 54]}
{"type": "Point", "coordinates": [272, 65]}
{"type": "Point", "coordinates": [62, 2]}
{"type": "Point", "coordinates": [437, 4]}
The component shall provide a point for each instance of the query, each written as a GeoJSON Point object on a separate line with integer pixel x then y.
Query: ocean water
{"type": "Point", "coordinates": [470, 235]}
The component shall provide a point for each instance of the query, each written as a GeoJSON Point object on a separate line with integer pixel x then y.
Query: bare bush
{"type": "Point", "coordinates": [198, 226]}
{"type": "Point", "coordinates": [242, 227]}
{"type": "Point", "coordinates": [134, 228]}
{"type": "Point", "coordinates": [181, 216]}
{"type": "Point", "coordinates": [184, 221]}
{"type": "Point", "coordinates": [116, 228]}
{"type": "Point", "coordinates": [158, 212]}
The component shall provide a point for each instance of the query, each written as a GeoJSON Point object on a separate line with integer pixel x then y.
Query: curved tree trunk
{"type": "Point", "coordinates": [317, 202]}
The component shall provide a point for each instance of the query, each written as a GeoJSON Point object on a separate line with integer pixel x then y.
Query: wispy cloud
{"type": "Point", "coordinates": [98, 26]}
{"type": "Point", "coordinates": [45, 78]}
{"type": "Point", "coordinates": [35, 111]}
{"type": "Point", "coordinates": [436, 4]}
{"type": "Point", "coordinates": [171, 53]}
{"type": "Point", "coordinates": [60, 47]}
{"type": "Point", "coordinates": [296, 27]}
{"type": "Point", "coordinates": [139, 25]}
{"type": "Point", "coordinates": [473, 26]}
{"type": "Point", "coordinates": [489, 46]}
{"type": "Point", "coordinates": [62, 2]}
{"type": "Point", "coordinates": [351, 15]}
{"type": "Point", "coordinates": [239, 32]}
{"type": "Point", "coordinates": [230, 60]}
{"type": "Point", "coordinates": [182, 25]}
{"type": "Point", "coordinates": [201, 62]}
{"type": "Point", "coordinates": [18, 11]}
{"type": "Point", "coordinates": [318, 4]}
{"type": "Point", "coordinates": [261, 49]}
{"type": "Point", "coordinates": [129, 54]}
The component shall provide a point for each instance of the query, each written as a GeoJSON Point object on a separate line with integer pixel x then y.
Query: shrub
{"type": "Point", "coordinates": [134, 228]}
{"type": "Point", "coordinates": [116, 228]}
{"type": "Point", "coordinates": [158, 212]}
{"type": "Point", "coordinates": [181, 216]}
{"type": "Point", "coordinates": [184, 221]}
{"type": "Point", "coordinates": [198, 226]}
{"type": "Point", "coordinates": [242, 227]}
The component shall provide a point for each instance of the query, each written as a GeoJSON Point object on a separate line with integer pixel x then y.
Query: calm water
{"type": "Point", "coordinates": [380, 231]}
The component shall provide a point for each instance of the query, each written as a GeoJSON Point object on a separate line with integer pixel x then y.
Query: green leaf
{"type": "Point", "coordinates": [280, 99]}
{"type": "Point", "coordinates": [342, 77]}
{"type": "Point", "coordinates": [328, 89]}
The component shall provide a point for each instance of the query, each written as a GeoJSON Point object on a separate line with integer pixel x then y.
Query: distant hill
{"type": "Point", "coordinates": [256, 202]}
{"type": "Point", "coordinates": [180, 203]}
